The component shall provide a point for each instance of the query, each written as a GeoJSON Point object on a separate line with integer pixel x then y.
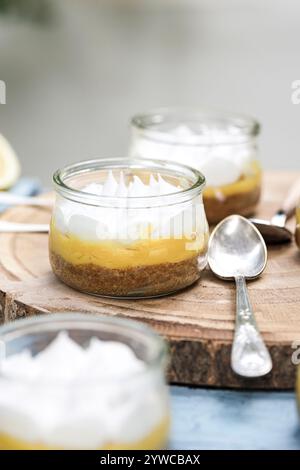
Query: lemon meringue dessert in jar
{"type": "Point", "coordinates": [128, 228]}
{"type": "Point", "coordinates": [222, 146]}
{"type": "Point", "coordinates": [78, 381]}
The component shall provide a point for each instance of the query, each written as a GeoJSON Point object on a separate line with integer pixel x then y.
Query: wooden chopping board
{"type": "Point", "coordinates": [198, 322]}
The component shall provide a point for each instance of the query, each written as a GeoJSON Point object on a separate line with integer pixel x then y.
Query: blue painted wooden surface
{"type": "Point", "coordinates": [24, 187]}
{"type": "Point", "coordinates": [223, 419]}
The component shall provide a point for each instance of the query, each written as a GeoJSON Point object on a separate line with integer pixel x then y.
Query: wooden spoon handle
{"type": "Point", "coordinates": [292, 200]}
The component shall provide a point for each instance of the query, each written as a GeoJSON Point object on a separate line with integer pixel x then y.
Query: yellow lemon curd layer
{"type": "Point", "coordinates": [155, 440]}
{"type": "Point", "coordinates": [116, 255]}
{"type": "Point", "coordinates": [245, 184]}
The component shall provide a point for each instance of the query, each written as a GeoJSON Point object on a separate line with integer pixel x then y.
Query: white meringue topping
{"type": "Point", "coordinates": [67, 396]}
{"type": "Point", "coordinates": [222, 156]}
{"type": "Point", "coordinates": [122, 221]}
{"type": "Point", "coordinates": [157, 186]}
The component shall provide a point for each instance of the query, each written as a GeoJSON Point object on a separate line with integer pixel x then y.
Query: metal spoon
{"type": "Point", "coordinates": [275, 231]}
{"type": "Point", "coordinates": [19, 227]}
{"type": "Point", "coordinates": [238, 251]}
{"type": "Point", "coordinates": [17, 200]}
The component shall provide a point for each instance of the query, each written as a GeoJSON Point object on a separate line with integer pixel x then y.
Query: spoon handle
{"type": "Point", "coordinates": [288, 206]}
{"type": "Point", "coordinates": [16, 227]}
{"type": "Point", "coordinates": [15, 199]}
{"type": "Point", "coordinates": [249, 355]}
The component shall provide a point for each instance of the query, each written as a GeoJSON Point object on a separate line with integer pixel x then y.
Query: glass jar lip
{"type": "Point", "coordinates": [74, 320]}
{"type": "Point", "coordinates": [85, 166]}
{"type": "Point", "coordinates": [248, 126]}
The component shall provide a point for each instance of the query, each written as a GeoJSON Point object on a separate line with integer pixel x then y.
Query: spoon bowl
{"type": "Point", "coordinates": [272, 233]}
{"type": "Point", "coordinates": [236, 248]}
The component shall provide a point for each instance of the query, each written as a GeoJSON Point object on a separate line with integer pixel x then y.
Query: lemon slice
{"type": "Point", "coordinates": [9, 165]}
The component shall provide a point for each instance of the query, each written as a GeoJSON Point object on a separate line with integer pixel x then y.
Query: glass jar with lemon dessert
{"type": "Point", "coordinates": [77, 381]}
{"type": "Point", "coordinates": [222, 146]}
{"type": "Point", "coordinates": [128, 228]}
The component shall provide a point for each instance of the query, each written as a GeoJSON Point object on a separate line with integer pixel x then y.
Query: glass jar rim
{"type": "Point", "coordinates": [155, 165]}
{"type": "Point", "coordinates": [247, 125]}
{"type": "Point", "coordinates": [39, 324]}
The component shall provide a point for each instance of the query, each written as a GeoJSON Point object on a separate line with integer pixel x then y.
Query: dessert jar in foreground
{"type": "Point", "coordinates": [126, 228]}
{"type": "Point", "coordinates": [76, 381]}
{"type": "Point", "coordinates": [222, 146]}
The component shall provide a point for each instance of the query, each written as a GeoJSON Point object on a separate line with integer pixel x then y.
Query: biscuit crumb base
{"type": "Point", "coordinates": [138, 281]}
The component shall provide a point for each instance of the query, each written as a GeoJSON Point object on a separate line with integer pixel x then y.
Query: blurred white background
{"type": "Point", "coordinates": [74, 81]}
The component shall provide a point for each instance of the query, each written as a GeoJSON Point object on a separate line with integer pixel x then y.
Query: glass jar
{"type": "Point", "coordinates": [128, 228]}
{"type": "Point", "coordinates": [222, 146]}
{"type": "Point", "coordinates": [97, 412]}
{"type": "Point", "coordinates": [297, 233]}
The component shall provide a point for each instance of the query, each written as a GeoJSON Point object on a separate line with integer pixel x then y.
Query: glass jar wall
{"type": "Point", "coordinates": [297, 235]}
{"type": "Point", "coordinates": [128, 228]}
{"type": "Point", "coordinates": [78, 381]}
{"type": "Point", "coordinates": [222, 146]}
